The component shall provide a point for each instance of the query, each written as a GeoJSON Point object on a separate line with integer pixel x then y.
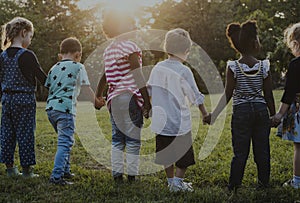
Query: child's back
{"type": "Point", "coordinates": [64, 81]}
{"type": "Point", "coordinates": [171, 82]}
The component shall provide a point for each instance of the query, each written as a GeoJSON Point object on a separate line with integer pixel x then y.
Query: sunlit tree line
{"type": "Point", "coordinates": [206, 21]}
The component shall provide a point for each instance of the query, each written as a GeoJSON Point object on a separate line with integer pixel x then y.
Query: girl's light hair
{"type": "Point", "coordinates": [13, 28]}
{"type": "Point", "coordinates": [177, 41]}
{"type": "Point", "coordinates": [292, 37]}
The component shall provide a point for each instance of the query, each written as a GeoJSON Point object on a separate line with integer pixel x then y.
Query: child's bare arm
{"type": "Point", "coordinates": [138, 76]}
{"type": "Point", "coordinates": [268, 94]}
{"type": "Point", "coordinates": [101, 86]}
{"type": "Point", "coordinates": [97, 101]}
{"type": "Point", "coordinates": [229, 87]}
{"type": "Point", "coordinates": [203, 110]}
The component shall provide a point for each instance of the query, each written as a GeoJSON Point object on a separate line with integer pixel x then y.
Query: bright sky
{"type": "Point", "coordinates": [126, 4]}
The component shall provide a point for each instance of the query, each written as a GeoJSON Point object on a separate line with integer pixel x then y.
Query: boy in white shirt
{"type": "Point", "coordinates": [169, 84]}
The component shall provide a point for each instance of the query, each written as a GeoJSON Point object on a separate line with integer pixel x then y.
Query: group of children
{"type": "Point", "coordinates": [248, 81]}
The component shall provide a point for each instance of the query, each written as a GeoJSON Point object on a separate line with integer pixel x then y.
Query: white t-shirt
{"type": "Point", "coordinates": [170, 85]}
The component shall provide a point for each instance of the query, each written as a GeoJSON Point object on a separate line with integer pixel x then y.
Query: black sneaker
{"type": "Point", "coordinates": [59, 181]}
{"type": "Point", "coordinates": [118, 179]}
{"type": "Point", "coordinates": [131, 179]}
{"type": "Point", "coordinates": [68, 175]}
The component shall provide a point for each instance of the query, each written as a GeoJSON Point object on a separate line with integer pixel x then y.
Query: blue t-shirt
{"type": "Point", "coordinates": [64, 82]}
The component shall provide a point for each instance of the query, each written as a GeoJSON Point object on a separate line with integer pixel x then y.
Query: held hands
{"type": "Point", "coordinates": [276, 120]}
{"type": "Point", "coordinates": [207, 119]}
{"type": "Point", "coordinates": [99, 102]}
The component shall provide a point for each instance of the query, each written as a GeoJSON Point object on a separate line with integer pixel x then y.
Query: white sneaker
{"type": "Point", "coordinates": [290, 183]}
{"type": "Point", "coordinates": [181, 187]}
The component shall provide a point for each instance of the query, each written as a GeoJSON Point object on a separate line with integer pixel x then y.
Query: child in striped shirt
{"type": "Point", "coordinates": [127, 96]}
{"type": "Point", "coordinates": [249, 82]}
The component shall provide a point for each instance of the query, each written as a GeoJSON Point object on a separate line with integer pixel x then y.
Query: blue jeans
{"type": "Point", "coordinates": [250, 121]}
{"type": "Point", "coordinates": [64, 126]}
{"type": "Point", "coordinates": [127, 121]}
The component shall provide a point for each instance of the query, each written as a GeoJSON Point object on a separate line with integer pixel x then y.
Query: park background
{"type": "Point", "coordinates": [206, 21]}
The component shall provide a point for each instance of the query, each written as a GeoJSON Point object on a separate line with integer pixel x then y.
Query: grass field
{"type": "Point", "coordinates": [93, 182]}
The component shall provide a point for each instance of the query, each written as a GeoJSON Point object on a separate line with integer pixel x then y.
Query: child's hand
{"type": "Point", "coordinates": [99, 102]}
{"type": "Point", "coordinates": [207, 119]}
{"type": "Point", "coordinates": [146, 110]}
{"type": "Point", "coordinates": [276, 120]}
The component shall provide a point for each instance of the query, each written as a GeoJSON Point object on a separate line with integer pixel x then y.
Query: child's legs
{"type": "Point", "coordinates": [25, 121]}
{"type": "Point", "coordinates": [241, 138]}
{"type": "Point", "coordinates": [117, 151]}
{"type": "Point", "coordinates": [67, 168]}
{"type": "Point", "coordinates": [133, 147]}
{"type": "Point", "coordinates": [184, 149]}
{"type": "Point", "coordinates": [169, 171]}
{"type": "Point", "coordinates": [65, 128]}
{"type": "Point", "coordinates": [126, 119]}
{"type": "Point", "coordinates": [261, 145]}
{"type": "Point", "coordinates": [297, 159]}
{"type": "Point", "coordinates": [8, 137]}
{"type": "Point", "coordinates": [133, 138]}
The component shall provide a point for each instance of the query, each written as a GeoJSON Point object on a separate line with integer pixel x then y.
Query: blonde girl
{"type": "Point", "coordinates": [289, 108]}
{"type": "Point", "coordinates": [18, 72]}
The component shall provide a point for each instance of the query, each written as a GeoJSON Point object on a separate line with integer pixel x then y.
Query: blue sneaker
{"type": "Point", "coordinates": [291, 183]}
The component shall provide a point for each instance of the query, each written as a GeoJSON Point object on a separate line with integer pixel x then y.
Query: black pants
{"type": "Point", "coordinates": [250, 121]}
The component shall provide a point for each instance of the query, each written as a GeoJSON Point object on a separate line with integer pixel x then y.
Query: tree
{"type": "Point", "coordinates": [53, 21]}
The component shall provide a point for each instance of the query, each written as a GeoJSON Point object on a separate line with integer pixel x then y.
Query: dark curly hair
{"type": "Point", "coordinates": [242, 36]}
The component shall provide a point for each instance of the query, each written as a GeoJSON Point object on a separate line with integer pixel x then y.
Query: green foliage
{"type": "Point", "coordinates": [93, 182]}
{"type": "Point", "coordinates": [206, 21]}
{"type": "Point", "coordinates": [53, 21]}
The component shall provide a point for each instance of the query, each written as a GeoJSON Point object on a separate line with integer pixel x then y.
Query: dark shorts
{"type": "Point", "coordinates": [175, 149]}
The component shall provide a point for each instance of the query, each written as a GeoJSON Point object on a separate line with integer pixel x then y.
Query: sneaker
{"type": "Point", "coordinates": [68, 175]}
{"type": "Point", "coordinates": [262, 186]}
{"type": "Point", "coordinates": [28, 173]}
{"type": "Point", "coordinates": [118, 179]}
{"type": "Point", "coordinates": [59, 181]}
{"type": "Point", "coordinates": [181, 187]}
{"type": "Point", "coordinates": [291, 183]}
{"type": "Point", "coordinates": [131, 179]}
{"type": "Point", "coordinates": [13, 172]}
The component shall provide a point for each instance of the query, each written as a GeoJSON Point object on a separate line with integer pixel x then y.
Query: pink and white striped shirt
{"type": "Point", "coordinates": [118, 71]}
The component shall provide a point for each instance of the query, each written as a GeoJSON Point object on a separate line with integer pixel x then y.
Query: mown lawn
{"type": "Point", "coordinates": [93, 182]}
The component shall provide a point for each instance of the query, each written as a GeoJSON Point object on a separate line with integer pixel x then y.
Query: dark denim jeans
{"type": "Point", "coordinates": [250, 121]}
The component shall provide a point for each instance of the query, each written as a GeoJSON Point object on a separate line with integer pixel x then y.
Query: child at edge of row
{"type": "Point", "coordinates": [18, 73]}
{"type": "Point", "coordinates": [127, 96]}
{"type": "Point", "coordinates": [289, 108]}
{"type": "Point", "coordinates": [246, 79]}
{"type": "Point", "coordinates": [65, 80]}
{"type": "Point", "coordinates": [169, 84]}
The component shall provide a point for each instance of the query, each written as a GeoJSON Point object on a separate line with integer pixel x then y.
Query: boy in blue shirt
{"type": "Point", "coordinates": [64, 81]}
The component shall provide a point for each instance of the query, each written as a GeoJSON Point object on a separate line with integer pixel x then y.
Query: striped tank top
{"type": "Point", "coordinates": [249, 87]}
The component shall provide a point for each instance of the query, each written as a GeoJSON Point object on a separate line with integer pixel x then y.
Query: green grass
{"type": "Point", "coordinates": [93, 182]}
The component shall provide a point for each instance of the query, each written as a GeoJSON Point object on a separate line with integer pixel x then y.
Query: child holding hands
{"type": "Point", "coordinates": [289, 108]}
{"type": "Point", "coordinates": [169, 84]}
{"type": "Point", "coordinates": [65, 80]}
{"type": "Point", "coordinates": [127, 96]}
{"type": "Point", "coordinates": [18, 73]}
{"type": "Point", "coordinates": [247, 78]}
